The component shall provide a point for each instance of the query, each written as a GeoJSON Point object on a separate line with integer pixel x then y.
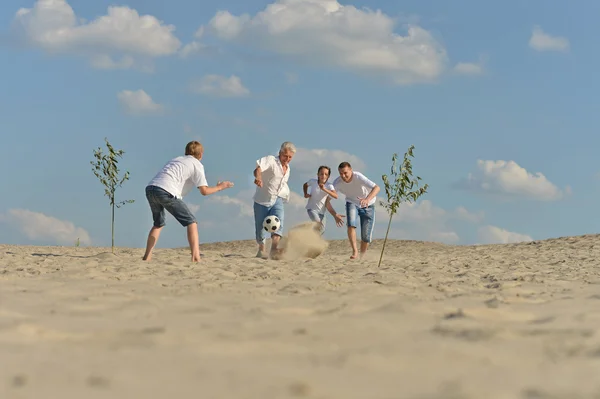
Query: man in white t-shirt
{"type": "Point", "coordinates": [167, 189]}
{"type": "Point", "coordinates": [271, 176]}
{"type": "Point", "coordinates": [360, 195]}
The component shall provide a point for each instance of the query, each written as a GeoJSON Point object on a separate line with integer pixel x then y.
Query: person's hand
{"type": "Point", "coordinates": [321, 185]}
{"type": "Point", "coordinates": [364, 203]}
{"type": "Point", "coordinates": [258, 182]}
{"type": "Point", "coordinates": [339, 221]}
{"type": "Point", "coordinates": [225, 184]}
{"type": "Point", "coordinates": [306, 195]}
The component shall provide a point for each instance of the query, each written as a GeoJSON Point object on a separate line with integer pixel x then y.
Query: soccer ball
{"type": "Point", "coordinates": [271, 223]}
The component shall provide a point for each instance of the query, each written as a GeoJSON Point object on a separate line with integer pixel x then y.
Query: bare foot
{"type": "Point", "coordinates": [354, 255]}
{"type": "Point", "coordinates": [147, 258]}
{"type": "Point", "coordinates": [261, 255]}
{"type": "Point", "coordinates": [276, 254]}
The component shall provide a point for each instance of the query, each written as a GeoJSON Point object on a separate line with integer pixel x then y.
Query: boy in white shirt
{"type": "Point", "coordinates": [167, 189]}
{"type": "Point", "coordinates": [319, 193]}
{"type": "Point", "coordinates": [360, 195]}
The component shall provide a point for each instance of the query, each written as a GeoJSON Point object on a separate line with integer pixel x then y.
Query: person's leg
{"type": "Point", "coordinates": [192, 235]}
{"type": "Point", "coordinates": [323, 220]}
{"type": "Point", "coordinates": [260, 213]}
{"type": "Point", "coordinates": [277, 210]}
{"type": "Point", "coordinates": [151, 242]}
{"type": "Point", "coordinates": [317, 218]}
{"type": "Point", "coordinates": [180, 211]}
{"type": "Point", "coordinates": [367, 223]}
{"type": "Point", "coordinates": [351, 223]}
{"type": "Point", "coordinates": [158, 219]}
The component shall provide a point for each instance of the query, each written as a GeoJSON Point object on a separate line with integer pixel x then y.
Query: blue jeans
{"type": "Point", "coordinates": [317, 217]}
{"type": "Point", "coordinates": [367, 220]}
{"type": "Point", "coordinates": [261, 212]}
{"type": "Point", "coordinates": [160, 200]}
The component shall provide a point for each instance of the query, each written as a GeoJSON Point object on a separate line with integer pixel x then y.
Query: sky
{"type": "Point", "coordinates": [498, 98]}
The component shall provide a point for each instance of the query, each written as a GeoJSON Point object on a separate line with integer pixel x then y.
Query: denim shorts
{"type": "Point", "coordinates": [160, 200]}
{"type": "Point", "coordinates": [317, 217]}
{"type": "Point", "coordinates": [367, 220]}
{"type": "Point", "coordinates": [261, 212]}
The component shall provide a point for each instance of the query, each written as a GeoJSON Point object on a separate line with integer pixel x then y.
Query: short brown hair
{"type": "Point", "coordinates": [344, 165]}
{"type": "Point", "coordinates": [194, 148]}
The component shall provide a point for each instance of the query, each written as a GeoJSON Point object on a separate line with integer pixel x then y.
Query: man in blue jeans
{"type": "Point", "coordinates": [360, 195]}
{"type": "Point", "coordinates": [271, 176]}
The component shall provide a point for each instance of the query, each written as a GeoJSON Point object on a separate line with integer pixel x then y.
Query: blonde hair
{"type": "Point", "coordinates": [194, 148]}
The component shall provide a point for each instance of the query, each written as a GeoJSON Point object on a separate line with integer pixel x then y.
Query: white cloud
{"type": "Point", "coordinates": [467, 68]}
{"type": "Point", "coordinates": [496, 235]}
{"type": "Point", "coordinates": [52, 26]}
{"type": "Point", "coordinates": [326, 33]}
{"type": "Point", "coordinates": [194, 208]}
{"type": "Point", "coordinates": [191, 48]}
{"type": "Point", "coordinates": [221, 86]}
{"type": "Point", "coordinates": [243, 202]}
{"type": "Point", "coordinates": [542, 41]}
{"type": "Point", "coordinates": [425, 221]}
{"type": "Point", "coordinates": [104, 61]}
{"type": "Point", "coordinates": [471, 68]}
{"type": "Point", "coordinates": [509, 180]}
{"type": "Point", "coordinates": [461, 213]}
{"type": "Point", "coordinates": [195, 46]}
{"type": "Point", "coordinates": [138, 103]}
{"type": "Point", "coordinates": [307, 161]}
{"type": "Point", "coordinates": [38, 226]}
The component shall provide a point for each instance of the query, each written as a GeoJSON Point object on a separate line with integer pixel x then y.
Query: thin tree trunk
{"type": "Point", "coordinates": [385, 240]}
{"type": "Point", "coordinates": [113, 228]}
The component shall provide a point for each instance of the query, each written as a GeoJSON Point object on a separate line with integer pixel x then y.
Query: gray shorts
{"type": "Point", "coordinates": [160, 200]}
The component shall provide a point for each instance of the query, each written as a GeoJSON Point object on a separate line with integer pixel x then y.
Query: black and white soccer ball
{"type": "Point", "coordinates": [271, 224]}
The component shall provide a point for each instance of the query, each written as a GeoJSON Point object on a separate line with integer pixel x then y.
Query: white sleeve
{"type": "Point", "coordinates": [363, 179]}
{"type": "Point", "coordinates": [265, 162]}
{"type": "Point", "coordinates": [200, 177]}
{"type": "Point", "coordinates": [336, 182]}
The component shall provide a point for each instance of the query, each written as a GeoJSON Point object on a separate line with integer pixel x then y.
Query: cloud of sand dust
{"type": "Point", "coordinates": [303, 241]}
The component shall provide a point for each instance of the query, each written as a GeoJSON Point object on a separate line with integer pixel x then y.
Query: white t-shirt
{"type": "Point", "coordinates": [318, 197]}
{"type": "Point", "coordinates": [180, 175]}
{"type": "Point", "coordinates": [359, 187]}
{"type": "Point", "coordinates": [274, 181]}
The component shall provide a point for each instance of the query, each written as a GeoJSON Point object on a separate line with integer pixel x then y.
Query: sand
{"type": "Point", "coordinates": [435, 321]}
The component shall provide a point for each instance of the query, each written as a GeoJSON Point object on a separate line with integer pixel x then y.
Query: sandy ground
{"type": "Point", "coordinates": [435, 321]}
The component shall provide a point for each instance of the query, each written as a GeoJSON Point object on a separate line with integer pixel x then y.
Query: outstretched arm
{"type": "Point", "coordinates": [222, 185]}
{"type": "Point", "coordinates": [338, 218]}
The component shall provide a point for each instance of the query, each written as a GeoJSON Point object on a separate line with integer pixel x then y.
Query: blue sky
{"type": "Point", "coordinates": [497, 97]}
